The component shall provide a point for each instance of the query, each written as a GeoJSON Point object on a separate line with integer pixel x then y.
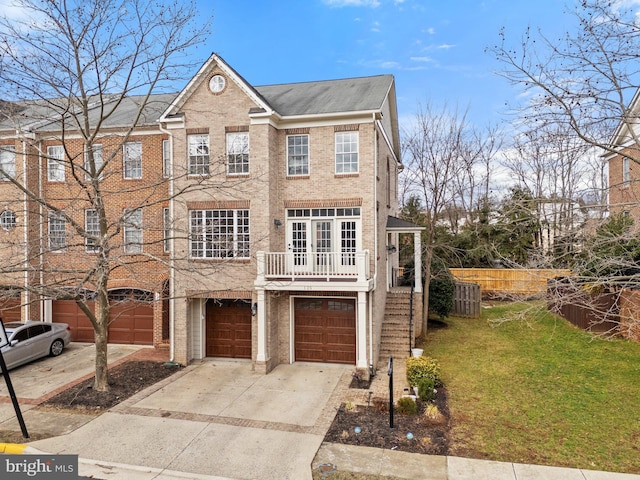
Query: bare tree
{"type": "Point", "coordinates": [68, 69]}
{"type": "Point", "coordinates": [584, 86]}
{"type": "Point", "coordinates": [442, 153]}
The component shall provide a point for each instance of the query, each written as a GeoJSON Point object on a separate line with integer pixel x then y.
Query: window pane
{"type": "Point", "coordinates": [219, 233]}
{"type": "Point", "coordinates": [166, 158]}
{"type": "Point", "coordinates": [133, 231]}
{"type": "Point", "coordinates": [57, 232]}
{"type": "Point", "coordinates": [7, 162]}
{"type": "Point", "coordinates": [237, 153]}
{"type": "Point", "coordinates": [298, 155]}
{"type": "Point", "coordinates": [91, 171]}
{"type": "Point", "coordinates": [92, 228]}
{"type": "Point", "coordinates": [55, 163]}
{"type": "Point", "coordinates": [132, 160]}
{"type": "Point", "coordinates": [347, 152]}
{"type": "Point", "coordinates": [198, 154]}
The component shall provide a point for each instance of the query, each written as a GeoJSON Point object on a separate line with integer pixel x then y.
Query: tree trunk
{"type": "Point", "coordinates": [428, 254]}
{"type": "Point", "coordinates": [101, 382]}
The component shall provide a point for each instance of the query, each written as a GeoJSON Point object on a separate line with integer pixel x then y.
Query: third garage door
{"type": "Point", "coordinates": [325, 330]}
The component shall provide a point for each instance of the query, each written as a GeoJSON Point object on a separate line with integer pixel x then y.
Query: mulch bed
{"type": "Point", "coordinates": [125, 380]}
{"type": "Point", "coordinates": [430, 435]}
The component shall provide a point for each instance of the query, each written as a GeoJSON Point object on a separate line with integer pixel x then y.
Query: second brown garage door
{"type": "Point", "coordinates": [325, 330]}
{"type": "Point", "coordinates": [228, 329]}
{"type": "Point", "coordinates": [131, 322]}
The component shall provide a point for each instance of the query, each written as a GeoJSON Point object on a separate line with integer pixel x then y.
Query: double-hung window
{"type": "Point", "coordinates": [626, 171]}
{"type": "Point", "coordinates": [57, 232]}
{"type": "Point", "coordinates": [132, 160]}
{"type": "Point", "coordinates": [92, 230]}
{"type": "Point", "coordinates": [346, 152]}
{"type": "Point", "coordinates": [198, 146]}
{"type": "Point", "coordinates": [132, 220]}
{"type": "Point", "coordinates": [237, 153]}
{"type": "Point", "coordinates": [7, 162]}
{"type": "Point", "coordinates": [94, 170]}
{"type": "Point", "coordinates": [219, 233]}
{"type": "Point", "coordinates": [55, 163]}
{"type": "Point", "coordinates": [297, 155]}
{"type": "Point", "coordinates": [166, 158]}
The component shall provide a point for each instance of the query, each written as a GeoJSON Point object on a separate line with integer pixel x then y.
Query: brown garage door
{"type": "Point", "coordinates": [67, 311]}
{"type": "Point", "coordinates": [325, 330]}
{"type": "Point", "coordinates": [10, 309]}
{"type": "Point", "coordinates": [130, 322]}
{"type": "Point", "coordinates": [228, 329]}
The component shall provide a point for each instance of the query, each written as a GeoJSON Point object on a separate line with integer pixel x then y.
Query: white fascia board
{"type": "Point", "coordinates": [388, 142]}
{"type": "Point", "coordinates": [320, 120]}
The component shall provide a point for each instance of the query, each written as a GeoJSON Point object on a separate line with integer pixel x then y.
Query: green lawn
{"type": "Point", "coordinates": [539, 391]}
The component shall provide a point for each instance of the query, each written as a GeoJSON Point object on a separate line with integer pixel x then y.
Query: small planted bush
{"type": "Point", "coordinates": [407, 406]}
{"type": "Point", "coordinates": [423, 367]}
{"type": "Point", "coordinates": [426, 389]}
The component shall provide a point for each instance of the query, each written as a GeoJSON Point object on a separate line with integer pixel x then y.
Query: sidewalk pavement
{"type": "Point", "coordinates": [218, 420]}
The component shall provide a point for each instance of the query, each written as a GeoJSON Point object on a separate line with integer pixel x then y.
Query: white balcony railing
{"type": "Point", "coordinates": [313, 266]}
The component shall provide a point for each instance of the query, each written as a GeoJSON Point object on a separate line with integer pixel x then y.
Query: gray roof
{"type": "Point", "coordinates": [395, 223]}
{"type": "Point", "coordinates": [42, 115]}
{"type": "Point", "coordinates": [328, 96]}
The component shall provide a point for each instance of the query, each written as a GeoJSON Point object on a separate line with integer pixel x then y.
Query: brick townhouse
{"type": "Point", "coordinates": [277, 240]}
{"type": "Point", "coordinates": [624, 166]}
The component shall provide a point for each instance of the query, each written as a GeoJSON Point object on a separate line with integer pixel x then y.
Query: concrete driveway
{"type": "Point", "coordinates": [218, 418]}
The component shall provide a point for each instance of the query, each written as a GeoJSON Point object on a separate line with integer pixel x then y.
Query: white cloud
{"type": "Point", "coordinates": [445, 46]}
{"type": "Point", "coordinates": [10, 9]}
{"type": "Point", "coordinates": [431, 31]}
{"type": "Point", "coordinates": [352, 3]}
{"type": "Point", "coordinates": [375, 27]}
{"type": "Point", "coordinates": [421, 59]}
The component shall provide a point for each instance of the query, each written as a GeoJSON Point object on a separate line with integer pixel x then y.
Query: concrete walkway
{"type": "Point", "coordinates": [218, 420]}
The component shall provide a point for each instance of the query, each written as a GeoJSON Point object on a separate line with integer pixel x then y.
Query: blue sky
{"type": "Point", "coordinates": [434, 48]}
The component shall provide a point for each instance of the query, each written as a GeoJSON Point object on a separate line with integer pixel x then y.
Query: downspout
{"type": "Point", "coordinates": [375, 238]}
{"type": "Point", "coordinates": [40, 245]}
{"type": "Point", "coordinates": [26, 231]}
{"type": "Point", "coordinates": [172, 325]}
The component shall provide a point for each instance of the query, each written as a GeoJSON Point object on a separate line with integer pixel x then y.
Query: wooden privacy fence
{"type": "Point", "coordinates": [466, 302]}
{"type": "Point", "coordinates": [503, 281]}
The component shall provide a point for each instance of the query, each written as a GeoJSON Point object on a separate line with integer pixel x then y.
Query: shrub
{"type": "Point", "coordinates": [441, 295]}
{"type": "Point", "coordinates": [426, 388]}
{"type": "Point", "coordinates": [423, 367]}
{"type": "Point", "coordinates": [380, 404]}
{"type": "Point", "coordinates": [407, 406]}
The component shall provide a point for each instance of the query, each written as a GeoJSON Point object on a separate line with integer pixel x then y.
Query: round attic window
{"type": "Point", "coordinates": [217, 83]}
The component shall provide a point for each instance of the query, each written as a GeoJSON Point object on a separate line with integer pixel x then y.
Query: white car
{"type": "Point", "coordinates": [32, 340]}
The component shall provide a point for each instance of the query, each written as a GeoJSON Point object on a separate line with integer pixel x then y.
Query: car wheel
{"type": "Point", "coordinates": [56, 348]}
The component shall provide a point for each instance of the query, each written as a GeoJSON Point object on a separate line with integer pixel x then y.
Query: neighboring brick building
{"type": "Point", "coordinates": [276, 227]}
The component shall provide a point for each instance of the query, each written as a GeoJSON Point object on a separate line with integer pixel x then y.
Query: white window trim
{"type": "Point", "coordinates": [308, 156]}
{"type": "Point", "coordinates": [357, 152]}
{"type": "Point", "coordinates": [97, 147]}
{"type": "Point", "coordinates": [166, 158]}
{"type": "Point", "coordinates": [56, 174]}
{"type": "Point", "coordinates": [129, 227]}
{"type": "Point", "coordinates": [626, 171]}
{"type": "Point", "coordinates": [235, 235]}
{"type": "Point", "coordinates": [90, 248]}
{"type": "Point", "coordinates": [57, 217]}
{"type": "Point", "coordinates": [8, 161]}
{"type": "Point", "coordinates": [198, 166]}
{"type": "Point", "coordinates": [229, 153]}
{"type": "Point", "coordinates": [125, 159]}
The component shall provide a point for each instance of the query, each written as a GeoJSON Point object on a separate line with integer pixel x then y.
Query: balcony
{"type": "Point", "coordinates": [313, 267]}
